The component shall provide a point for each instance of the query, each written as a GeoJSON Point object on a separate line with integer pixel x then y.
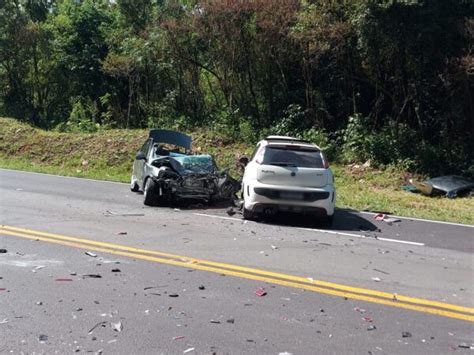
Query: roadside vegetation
{"type": "Point", "coordinates": [382, 83]}
{"type": "Point", "coordinates": [108, 155]}
{"type": "Point", "coordinates": [385, 81]}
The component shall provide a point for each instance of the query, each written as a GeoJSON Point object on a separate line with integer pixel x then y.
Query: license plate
{"type": "Point", "coordinates": [286, 195]}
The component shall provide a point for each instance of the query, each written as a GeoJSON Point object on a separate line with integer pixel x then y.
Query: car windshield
{"type": "Point", "coordinates": [194, 163]}
{"type": "Point", "coordinates": [283, 156]}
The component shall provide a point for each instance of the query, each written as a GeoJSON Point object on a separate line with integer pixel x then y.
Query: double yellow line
{"type": "Point", "coordinates": [323, 287]}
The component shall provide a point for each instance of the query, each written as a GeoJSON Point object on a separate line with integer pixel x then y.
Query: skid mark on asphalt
{"type": "Point", "coordinates": [318, 286]}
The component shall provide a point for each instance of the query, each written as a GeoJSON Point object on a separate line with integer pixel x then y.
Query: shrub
{"type": "Point", "coordinates": [80, 120]}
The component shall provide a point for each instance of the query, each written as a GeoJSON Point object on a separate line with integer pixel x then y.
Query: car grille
{"type": "Point", "coordinates": [292, 195]}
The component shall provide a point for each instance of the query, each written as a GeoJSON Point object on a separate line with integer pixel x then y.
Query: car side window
{"type": "Point", "coordinates": [255, 152]}
{"type": "Point", "coordinates": [145, 147]}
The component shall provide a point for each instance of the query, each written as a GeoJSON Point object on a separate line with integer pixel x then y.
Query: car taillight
{"type": "Point", "coordinates": [259, 156]}
{"type": "Point", "coordinates": [325, 161]}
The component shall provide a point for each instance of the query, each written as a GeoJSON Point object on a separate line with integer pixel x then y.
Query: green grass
{"type": "Point", "coordinates": [376, 190]}
{"type": "Point", "coordinates": [108, 155]}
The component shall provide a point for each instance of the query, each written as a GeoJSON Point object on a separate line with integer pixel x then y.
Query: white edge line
{"type": "Point", "coordinates": [423, 220]}
{"type": "Point", "coordinates": [402, 241]}
{"type": "Point", "coordinates": [332, 232]}
{"type": "Point", "coordinates": [323, 231]}
{"type": "Point", "coordinates": [64, 176]}
{"type": "Point", "coordinates": [364, 236]}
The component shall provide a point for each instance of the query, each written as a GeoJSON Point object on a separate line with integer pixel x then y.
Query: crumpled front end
{"type": "Point", "coordinates": [172, 187]}
{"type": "Point", "coordinates": [191, 179]}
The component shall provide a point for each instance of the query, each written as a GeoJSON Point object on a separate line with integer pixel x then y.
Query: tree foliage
{"type": "Point", "coordinates": [363, 75]}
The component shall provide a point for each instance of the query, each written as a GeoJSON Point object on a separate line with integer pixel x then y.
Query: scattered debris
{"type": "Point", "coordinates": [39, 303]}
{"type": "Point", "coordinates": [274, 247]}
{"type": "Point", "coordinates": [88, 253]}
{"type": "Point", "coordinates": [116, 270]}
{"type": "Point", "coordinates": [3, 251]}
{"type": "Point", "coordinates": [43, 338]}
{"type": "Point", "coordinates": [215, 321]}
{"type": "Point", "coordinates": [63, 280]}
{"type": "Point", "coordinates": [450, 186]}
{"type": "Point", "coordinates": [368, 319]}
{"type": "Point", "coordinates": [381, 271]}
{"type": "Point", "coordinates": [188, 350]}
{"type": "Point", "coordinates": [4, 321]}
{"type": "Point", "coordinates": [376, 279]}
{"type": "Point", "coordinates": [173, 295]}
{"type": "Point", "coordinates": [178, 337]}
{"type": "Point", "coordinates": [383, 217]}
{"type": "Point", "coordinates": [260, 292]}
{"type": "Point", "coordinates": [117, 327]}
{"type": "Point", "coordinates": [371, 327]}
{"type": "Point", "coordinates": [122, 233]}
{"type": "Point", "coordinates": [231, 321]}
{"type": "Point", "coordinates": [201, 287]}
{"type": "Point", "coordinates": [466, 346]}
{"type": "Point", "coordinates": [230, 211]}
{"type": "Point", "coordinates": [92, 276]}
{"type": "Point", "coordinates": [100, 324]}
{"type": "Point", "coordinates": [360, 310]}
{"type": "Point", "coordinates": [406, 335]}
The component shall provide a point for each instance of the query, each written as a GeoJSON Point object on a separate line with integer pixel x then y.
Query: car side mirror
{"type": "Point", "coordinates": [243, 161]}
{"type": "Point", "coordinates": [140, 156]}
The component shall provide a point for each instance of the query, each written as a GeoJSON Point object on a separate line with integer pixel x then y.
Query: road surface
{"type": "Point", "coordinates": [88, 268]}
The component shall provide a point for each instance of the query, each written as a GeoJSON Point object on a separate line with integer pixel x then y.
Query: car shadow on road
{"type": "Point", "coordinates": [344, 220]}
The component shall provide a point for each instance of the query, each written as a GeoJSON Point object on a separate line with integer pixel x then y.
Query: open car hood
{"type": "Point", "coordinates": [171, 137]}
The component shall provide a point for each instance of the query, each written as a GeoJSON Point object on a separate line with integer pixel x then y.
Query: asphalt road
{"type": "Point", "coordinates": [177, 280]}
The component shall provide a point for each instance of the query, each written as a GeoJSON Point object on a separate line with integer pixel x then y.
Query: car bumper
{"type": "Point", "coordinates": [262, 198]}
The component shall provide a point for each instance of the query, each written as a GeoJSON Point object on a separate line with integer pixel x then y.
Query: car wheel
{"type": "Point", "coordinates": [133, 185]}
{"type": "Point", "coordinates": [149, 192]}
{"type": "Point", "coordinates": [249, 215]}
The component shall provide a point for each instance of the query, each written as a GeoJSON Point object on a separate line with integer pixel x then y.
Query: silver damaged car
{"type": "Point", "coordinates": [168, 173]}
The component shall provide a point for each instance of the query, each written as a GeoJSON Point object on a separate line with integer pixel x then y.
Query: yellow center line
{"type": "Point", "coordinates": [400, 301]}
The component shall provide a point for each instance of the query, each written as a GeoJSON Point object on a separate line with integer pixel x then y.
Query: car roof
{"type": "Point", "coordinates": [286, 140]}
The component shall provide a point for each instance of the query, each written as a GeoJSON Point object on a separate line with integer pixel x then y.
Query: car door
{"type": "Point", "coordinates": [139, 164]}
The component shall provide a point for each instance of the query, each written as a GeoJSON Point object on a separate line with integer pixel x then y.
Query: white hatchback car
{"type": "Point", "coordinates": [288, 174]}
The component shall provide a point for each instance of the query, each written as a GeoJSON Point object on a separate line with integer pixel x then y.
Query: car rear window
{"type": "Point", "coordinates": [284, 156]}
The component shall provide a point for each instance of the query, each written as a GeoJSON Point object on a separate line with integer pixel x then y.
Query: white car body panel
{"type": "Point", "coordinates": [288, 188]}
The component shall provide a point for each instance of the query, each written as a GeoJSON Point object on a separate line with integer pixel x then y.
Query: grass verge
{"type": "Point", "coordinates": [108, 155]}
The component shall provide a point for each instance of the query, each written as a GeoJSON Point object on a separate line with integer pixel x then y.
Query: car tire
{"type": "Point", "coordinates": [248, 215]}
{"type": "Point", "coordinates": [149, 192]}
{"type": "Point", "coordinates": [133, 185]}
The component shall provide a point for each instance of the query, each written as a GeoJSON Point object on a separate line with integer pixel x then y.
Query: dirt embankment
{"type": "Point", "coordinates": [108, 153]}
